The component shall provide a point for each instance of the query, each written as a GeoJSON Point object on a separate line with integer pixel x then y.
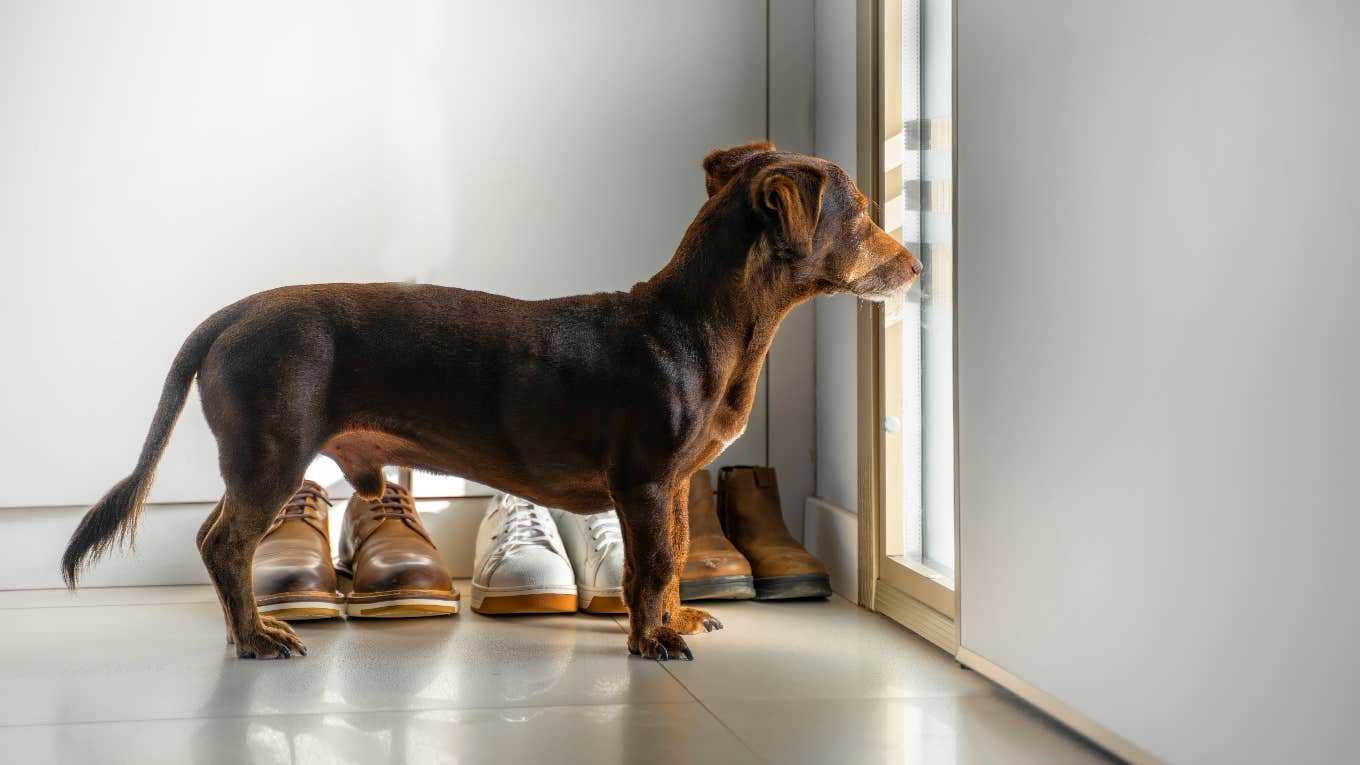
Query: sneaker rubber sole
{"type": "Point", "coordinates": [792, 586]}
{"type": "Point", "coordinates": [524, 600]}
{"type": "Point", "coordinates": [600, 600]}
{"type": "Point", "coordinates": [737, 587]}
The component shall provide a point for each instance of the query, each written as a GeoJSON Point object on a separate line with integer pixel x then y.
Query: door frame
{"type": "Point", "coordinates": [904, 593]}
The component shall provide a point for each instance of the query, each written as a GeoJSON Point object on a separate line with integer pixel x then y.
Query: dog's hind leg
{"type": "Point", "coordinates": [228, 550]}
{"type": "Point", "coordinates": [208, 524]}
{"type": "Point", "coordinates": [262, 468]}
{"type": "Point", "coordinates": [649, 565]}
{"type": "Point", "coordinates": [263, 388]}
{"type": "Point", "coordinates": [203, 533]}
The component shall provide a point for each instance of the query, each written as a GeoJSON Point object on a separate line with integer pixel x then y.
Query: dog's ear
{"type": "Point", "coordinates": [721, 164]}
{"type": "Point", "coordinates": [789, 196]}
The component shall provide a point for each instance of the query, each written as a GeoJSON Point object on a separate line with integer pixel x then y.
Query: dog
{"type": "Point", "coordinates": [582, 403]}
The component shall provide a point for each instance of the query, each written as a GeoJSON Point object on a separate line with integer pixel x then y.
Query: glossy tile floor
{"type": "Point", "coordinates": [142, 675]}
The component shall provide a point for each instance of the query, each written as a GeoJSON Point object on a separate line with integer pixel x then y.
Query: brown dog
{"type": "Point", "coordinates": [582, 403]}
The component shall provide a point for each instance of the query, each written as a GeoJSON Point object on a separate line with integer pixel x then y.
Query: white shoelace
{"type": "Point", "coordinates": [524, 525]}
{"type": "Point", "coordinates": [604, 527]}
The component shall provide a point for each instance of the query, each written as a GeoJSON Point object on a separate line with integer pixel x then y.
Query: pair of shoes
{"type": "Point", "coordinates": [384, 549]}
{"type": "Point", "coordinates": [535, 560]}
{"type": "Point", "coordinates": [740, 547]}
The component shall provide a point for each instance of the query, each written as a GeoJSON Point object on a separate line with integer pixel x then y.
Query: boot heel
{"type": "Point", "coordinates": [793, 586]}
{"type": "Point", "coordinates": [718, 588]}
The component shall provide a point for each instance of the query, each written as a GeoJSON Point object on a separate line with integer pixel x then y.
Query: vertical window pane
{"type": "Point", "coordinates": [927, 316]}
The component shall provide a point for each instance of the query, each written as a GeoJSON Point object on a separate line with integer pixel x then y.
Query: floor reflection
{"type": "Point", "coordinates": [417, 664]}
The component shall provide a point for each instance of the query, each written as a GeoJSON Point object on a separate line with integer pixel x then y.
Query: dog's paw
{"type": "Point", "coordinates": [661, 643]}
{"type": "Point", "coordinates": [273, 640]}
{"type": "Point", "coordinates": [691, 621]}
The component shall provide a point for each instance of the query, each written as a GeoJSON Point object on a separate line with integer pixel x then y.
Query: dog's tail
{"type": "Point", "coordinates": [115, 515]}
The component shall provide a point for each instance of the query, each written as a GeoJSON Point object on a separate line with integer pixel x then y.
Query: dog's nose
{"type": "Point", "coordinates": [917, 266]}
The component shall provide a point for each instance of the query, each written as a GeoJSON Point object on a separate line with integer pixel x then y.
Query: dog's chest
{"type": "Point", "coordinates": [732, 379]}
{"type": "Point", "coordinates": [728, 421]}
{"type": "Point", "coordinates": [719, 432]}
{"type": "Point", "coordinates": [727, 439]}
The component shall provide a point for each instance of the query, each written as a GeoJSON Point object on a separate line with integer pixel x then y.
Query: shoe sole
{"type": "Point", "coordinates": [401, 606]}
{"type": "Point", "coordinates": [302, 608]}
{"type": "Point", "coordinates": [736, 587]}
{"type": "Point", "coordinates": [601, 600]}
{"type": "Point", "coordinates": [793, 586]}
{"type": "Point", "coordinates": [524, 600]}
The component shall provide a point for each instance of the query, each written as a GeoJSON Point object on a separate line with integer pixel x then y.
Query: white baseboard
{"type": "Point", "coordinates": [832, 534]}
{"type": "Point", "coordinates": [165, 552]}
{"type": "Point", "coordinates": [1095, 732]}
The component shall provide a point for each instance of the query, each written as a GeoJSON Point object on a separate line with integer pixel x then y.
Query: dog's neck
{"type": "Point", "coordinates": [723, 288]}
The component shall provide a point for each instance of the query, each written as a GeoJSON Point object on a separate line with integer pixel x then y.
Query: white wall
{"type": "Point", "coordinates": [791, 368]}
{"type": "Point", "coordinates": [161, 160]}
{"type": "Point", "coordinates": [836, 397]}
{"type": "Point", "coordinates": [1159, 366]}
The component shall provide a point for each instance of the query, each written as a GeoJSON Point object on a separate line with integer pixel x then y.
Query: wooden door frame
{"type": "Point", "coordinates": [900, 592]}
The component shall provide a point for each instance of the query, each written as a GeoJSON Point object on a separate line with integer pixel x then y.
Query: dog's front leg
{"type": "Point", "coordinates": [682, 619]}
{"type": "Point", "coordinates": [648, 569]}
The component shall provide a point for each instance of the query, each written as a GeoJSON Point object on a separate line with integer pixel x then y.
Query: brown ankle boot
{"type": "Point", "coordinates": [292, 574]}
{"type": "Point", "coordinates": [748, 506]}
{"type": "Point", "coordinates": [714, 569]}
{"type": "Point", "coordinates": [396, 569]}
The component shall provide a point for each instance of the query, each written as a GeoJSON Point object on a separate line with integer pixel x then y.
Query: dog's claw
{"type": "Point", "coordinates": [273, 639]}
{"type": "Point", "coordinates": [689, 621]}
{"type": "Point", "coordinates": [688, 654]}
{"type": "Point", "coordinates": [661, 643]}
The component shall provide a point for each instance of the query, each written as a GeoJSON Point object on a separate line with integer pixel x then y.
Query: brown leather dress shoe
{"type": "Point", "coordinates": [714, 568]}
{"type": "Point", "coordinates": [748, 506]}
{"type": "Point", "coordinates": [292, 576]}
{"type": "Point", "coordinates": [387, 552]}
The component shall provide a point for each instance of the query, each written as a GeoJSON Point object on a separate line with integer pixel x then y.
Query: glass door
{"type": "Point", "coordinates": [907, 344]}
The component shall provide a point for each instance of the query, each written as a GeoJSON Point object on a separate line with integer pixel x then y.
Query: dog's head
{"type": "Point", "coordinates": [815, 223]}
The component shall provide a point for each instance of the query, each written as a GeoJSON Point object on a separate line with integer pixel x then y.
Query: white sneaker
{"type": "Point", "coordinates": [595, 548]}
{"type": "Point", "coordinates": [521, 566]}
